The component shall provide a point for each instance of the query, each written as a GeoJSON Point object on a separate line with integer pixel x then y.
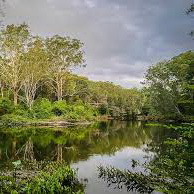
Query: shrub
{"type": "Point", "coordinates": [81, 112]}
{"type": "Point", "coordinates": [21, 111]}
{"type": "Point", "coordinates": [72, 116]}
{"type": "Point", "coordinates": [103, 109]}
{"type": "Point", "coordinates": [42, 109]}
{"type": "Point", "coordinates": [6, 106]}
{"type": "Point", "coordinates": [60, 179]}
{"type": "Point", "coordinates": [54, 178]}
{"type": "Point", "coordinates": [59, 108]}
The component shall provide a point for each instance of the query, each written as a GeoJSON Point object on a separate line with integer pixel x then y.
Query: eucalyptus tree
{"type": "Point", "coordinates": [35, 68]}
{"type": "Point", "coordinates": [164, 89]}
{"type": "Point", "coordinates": [76, 87]}
{"type": "Point", "coordinates": [170, 82]}
{"type": "Point", "coordinates": [14, 41]}
{"type": "Point", "coordinates": [189, 12]}
{"type": "Point", "coordinates": [2, 85]}
{"type": "Point", "coordinates": [64, 53]}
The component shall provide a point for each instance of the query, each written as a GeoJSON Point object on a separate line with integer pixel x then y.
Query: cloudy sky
{"type": "Point", "coordinates": [122, 37]}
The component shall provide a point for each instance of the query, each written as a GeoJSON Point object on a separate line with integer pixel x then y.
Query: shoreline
{"type": "Point", "coordinates": [44, 123]}
{"type": "Point", "coordinates": [65, 123]}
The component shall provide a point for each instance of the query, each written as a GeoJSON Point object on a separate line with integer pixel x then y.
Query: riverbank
{"type": "Point", "coordinates": [13, 120]}
{"type": "Point", "coordinates": [54, 122]}
{"type": "Point", "coordinates": [168, 119]}
{"type": "Point", "coordinates": [40, 178]}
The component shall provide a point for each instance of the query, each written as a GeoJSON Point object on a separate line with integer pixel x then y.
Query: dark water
{"type": "Point", "coordinates": [85, 148]}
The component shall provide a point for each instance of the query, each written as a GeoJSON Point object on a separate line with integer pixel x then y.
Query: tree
{"type": "Point", "coordinates": [163, 89]}
{"type": "Point", "coordinates": [2, 86]}
{"type": "Point", "coordinates": [168, 83]}
{"type": "Point", "coordinates": [14, 40]}
{"type": "Point", "coordinates": [188, 12]}
{"type": "Point", "coordinates": [63, 53]}
{"type": "Point", "coordinates": [77, 87]}
{"type": "Point", "coordinates": [35, 68]}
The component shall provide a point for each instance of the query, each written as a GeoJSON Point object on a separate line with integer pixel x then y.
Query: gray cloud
{"type": "Point", "coordinates": [122, 37]}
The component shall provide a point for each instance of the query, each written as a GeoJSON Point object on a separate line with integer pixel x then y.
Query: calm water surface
{"type": "Point", "coordinates": [113, 143]}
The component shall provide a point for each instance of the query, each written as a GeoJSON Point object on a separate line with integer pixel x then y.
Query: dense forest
{"type": "Point", "coordinates": [36, 81]}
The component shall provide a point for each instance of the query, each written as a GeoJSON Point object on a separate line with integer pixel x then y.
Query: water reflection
{"type": "Point", "coordinates": [84, 147]}
{"type": "Point", "coordinates": [73, 143]}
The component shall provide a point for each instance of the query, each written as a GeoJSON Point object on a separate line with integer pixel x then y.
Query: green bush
{"type": "Point", "coordinates": [80, 111]}
{"type": "Point", "coordinates": [54, 178]}
{"type": "Point", "coordinates": [72, 116]}
{"type": "Point", "coordinates": [103, 109]}
{"type": "Point", "coordinates": [21, 111]}
{"type": "Point", "coordinates": [6, 106]}
{"type": "Point", "coordinates": [45, 109]}
{"type": "Point", "coordinates": [42, 109]}
{"type": "Point", "coordinates": [59, 108]}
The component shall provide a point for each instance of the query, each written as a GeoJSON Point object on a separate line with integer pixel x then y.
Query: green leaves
{"type": "Point", "coordinates": [170, 171]}
{"type": "Point", "coordinates": [170, 82]}
{"type": "Point", "coordinates": [17, 164]}
{"type": "Point", "coordinates": [54, 178]}
{"type": "Point", "coordinates": [25, 61]}
{"type": "Point", "coordinates": [64, 53]}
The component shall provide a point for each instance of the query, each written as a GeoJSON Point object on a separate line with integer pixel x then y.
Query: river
{"type": "Point", "coordinates": [85, 148]}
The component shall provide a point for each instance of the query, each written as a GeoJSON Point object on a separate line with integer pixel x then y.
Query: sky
{"type": "Point", "coordinates": [122, 38]}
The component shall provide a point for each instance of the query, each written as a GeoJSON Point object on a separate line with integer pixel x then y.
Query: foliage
{"type": "Point", "coordinates": [132, 181]}
{"type": "Point", "coordinates": [12, 120]}
{"type": "Point", "coordinates": [42, 109]}
{"type": "Point", "coordinates": [57, 179]}
{"type": "Point", "coordinates": [59, 108]}
{"type": "Point", "coordinates": [168, 86]}
{"type": "Point", "coordinates": [6, 106]}
{"type": "Point", "coordinates": [170, 171]}
{"type": "Point", "coordinates": [54, 178]}
{"type": "Point", "coordinates": [35, 73]}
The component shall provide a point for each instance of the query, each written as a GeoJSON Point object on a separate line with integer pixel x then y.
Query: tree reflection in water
{"type": "Point", "coordinates": [72, 144]}
{"type": "Point", "coordinates": [171, 170]}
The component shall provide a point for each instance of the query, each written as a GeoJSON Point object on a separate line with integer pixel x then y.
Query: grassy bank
{"type": "Point", "coordinates": [46, 113]}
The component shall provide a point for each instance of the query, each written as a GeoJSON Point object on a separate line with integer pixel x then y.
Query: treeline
{"type": "Point", "coordinates": [169, 87]}
{"type": "Point", "coordinates": [27, 60]}
{"type": "Point", "coordinates": [36, 80]}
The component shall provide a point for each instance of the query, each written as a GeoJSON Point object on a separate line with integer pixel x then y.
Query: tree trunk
{"type": "Point", "coordinates": [59, 153]}
{"type": "Point", "coordinates": [15, 97]}
{"type": "Point", "coordinates": [2, 89]}
{"type": "Point", "coordinates": [60, 88]}
{"type": "Point", "coordinates": [2, 93]}
{"type": "Point", "coordinates": [14, 145]}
